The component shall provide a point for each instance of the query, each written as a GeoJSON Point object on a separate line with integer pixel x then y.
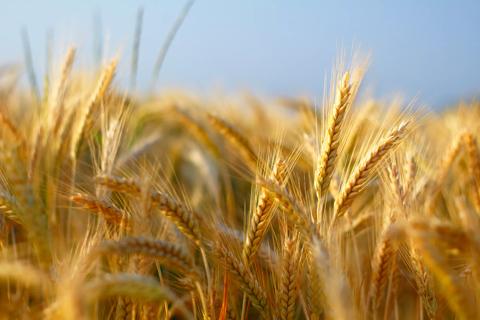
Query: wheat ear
{"type": "Point", "coordinates": [118, 184]}
{"type": "Point", "coordinates": [295, 212]}
{"type": "Point", "coordinates": [246, 279]}
{"type": "Point", "coordinates": [185, 219]}
{"type": "Point", "coordinates": [266, 254]}
{"type": "Point", "coordinates": [315, 289]}
{"type": "Point", "coordinates": [411, 174]}
{"type": "Point", "coordinates": [361, 175]}
{"type": "Point", "coordinates": [289, 279]}
{"type": "Point", "coordinates": [474, 164]}
{"type": "Point", "coordinates": [197, 130]}
{"type": "Point", "coordinates": [330, 145]}
{"type": "Point", "coordinates": [382, 264]}
{"type": "Point", "coordinates": [472, 150]}
{"type": "Point", "coordinates": [110, 213]}
{"type": "Point", "coordinates": [58, 102]}
{"type": "Point", "coordinates": [97, 96]}
{"type": "Point", "coordinates": [235, 138]}
{"type": "Point", "coordinates": [262, 216]}
{"type": "Point", "coordinates": [423, 284]}
{"type": "Point", "coordinates": [394, 175]}
{"type": "Point", "coordinates": [170, 253]}
{"type": "Point", "coordinates": [65, 71]}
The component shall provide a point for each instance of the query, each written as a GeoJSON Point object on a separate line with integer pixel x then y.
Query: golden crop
{"type": "Point", "coordinates": [124, 206]}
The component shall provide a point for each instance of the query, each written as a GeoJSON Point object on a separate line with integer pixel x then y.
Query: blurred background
{"type": "Point", "coordinates": [424, 50]}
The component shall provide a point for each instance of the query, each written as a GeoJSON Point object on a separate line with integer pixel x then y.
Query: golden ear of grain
{"type": "Point", "coordinates": [360, 176]}
{"type": "Point", "coordinates": [65, 70]}
{"type": "Point", "coordinates": [258, 226]}
{"type": "Point", "coordinates": [118, 184]}
{"type": "Point", "coordinates": [330, 145]}
{"type": "Point", "coordinates": [185, 219]}
{"type": "Point", "coordinates": [245, 279]}
{"type": "Point", "coordinates": [423, 283]}
{"type": "Point", "coordinates": [262, 215]}
{"type": "Point", "coordinates": [197, 130]}
{"type": "Point", "coordinates": [394, 176]}
{"type": "Point", "coordinates": [474, 164]}
{"type": "Point", "coordinates": [280, 171]}
{"type": "Point", "coordinates": [97, 96]}
{"type": "Point", "coordinates": [58, 106]}
{"type": "Point", "coordinates": [315, 295]}
{"type": "Point", "coordinates": [382, 264]}
{"type": "Point", "coordinates": [289, 279]}
{"type": "Point", "coordinates": [168, 253]}
{"type": "Point", "coordinates": [294, 211]}
{"type": "Point", "coordinates": [411, 175]}
{"type": "Point", "coordinates": [104, 83]}
{"type": "Point", "coordinates": [473, 155]}
{"type": "Point", "coordinates": [111, 214]}
{"type": "Point", "coordinates": [235, 139]}
{"type": "Point", "coordinates": [264, 252]}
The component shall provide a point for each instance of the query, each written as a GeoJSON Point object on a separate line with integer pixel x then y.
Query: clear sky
{"type": "Point", "coordinates": [428, 50]}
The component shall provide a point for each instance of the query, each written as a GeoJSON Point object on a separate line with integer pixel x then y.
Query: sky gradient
{"type": "Point", "coordinates": [424, 50]}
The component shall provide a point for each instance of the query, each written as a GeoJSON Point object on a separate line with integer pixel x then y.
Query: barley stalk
{"type": "Point", "coordinates": [157, 249]}
{"type": "Point", "coordinates": [293, 210]}
{"type": "Point", "coordinates": [185, 219]}
{"type": "Point", "coordinates": [237, 140]}
{"type": "Point", "coordinates": [288, 280]}
{"type": "Point", "coordinates": [329, 150]}
{"type": "Point", "coordinates": [245, 279]}
{"type": "Point", "coordinates": [97, 96]}
{"type": "Point", "coordinates": [111, 214]}
{"type": "Point", "coordinates": [382, 264]}
{"type": "Point", "coordinates": [362, 173]}
{"type": "Point", "coordinates": [262, 215]}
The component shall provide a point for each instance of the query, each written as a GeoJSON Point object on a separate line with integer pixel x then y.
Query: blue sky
{"type": "Point", "coordinates": [428, 50]}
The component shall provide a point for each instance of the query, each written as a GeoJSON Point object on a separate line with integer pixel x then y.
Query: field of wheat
{"type": "Point", "coordinates": [117, 205]}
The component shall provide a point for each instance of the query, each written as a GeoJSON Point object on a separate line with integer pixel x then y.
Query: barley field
{"type": "Point", "coordinates": [118, 204]}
